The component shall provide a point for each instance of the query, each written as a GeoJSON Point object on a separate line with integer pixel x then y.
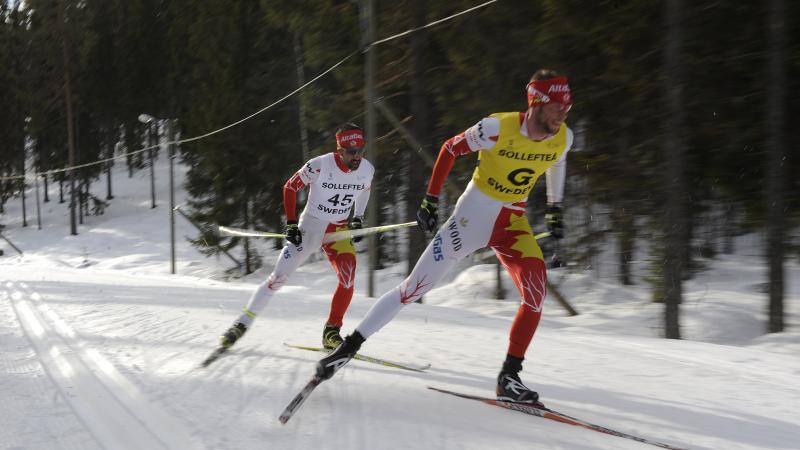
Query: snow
{"type": "Point", "coordinates": [100, 346]}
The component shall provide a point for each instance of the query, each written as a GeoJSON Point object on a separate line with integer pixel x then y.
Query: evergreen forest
{"type": "Point", "coordinates": [683, 113]}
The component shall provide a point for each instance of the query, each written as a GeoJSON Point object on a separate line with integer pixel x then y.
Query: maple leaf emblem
{"type": "Point", "coordinates": [525, 242]}
{"type": "Point", "coordinates": [344, 245]}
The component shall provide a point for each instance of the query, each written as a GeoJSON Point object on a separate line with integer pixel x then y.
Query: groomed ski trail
{"type": "Point", "coordinates": [109, 406]}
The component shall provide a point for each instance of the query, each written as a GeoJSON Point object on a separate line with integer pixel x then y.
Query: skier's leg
{"type": "Point", "coordinates": [289, 259]}
{"type": "Point", "coordinates": [431, 266]}
{"type": "Point", "coordinates": [530, 278]}
{"type": "Point", "coordinates": [342, 256]}
{"type": "Point", "coordinates": [467, 230]}
{"type": "Point", "coordinates": [517, 250]}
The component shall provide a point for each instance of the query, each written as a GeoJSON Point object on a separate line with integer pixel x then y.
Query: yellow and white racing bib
{"type": "Point", "coordinates": [507, 171]}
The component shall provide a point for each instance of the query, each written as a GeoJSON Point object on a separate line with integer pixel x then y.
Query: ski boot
{"type": "Point", "coordinates": [232, 335]}
{"type": "Point", "coordinates": [510, 387]}
{"type": "Point", "coordinates": [331, 337]}
{"type": "Point", "coordinates": [327, 366]}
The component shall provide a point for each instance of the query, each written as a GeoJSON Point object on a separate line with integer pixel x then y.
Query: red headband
{"type": "Point", "coordinates": [542, 92]}
{"type": "Point", "coordinates": [350, 139]}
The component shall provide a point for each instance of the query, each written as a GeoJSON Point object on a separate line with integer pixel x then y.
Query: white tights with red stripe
{"type": "Point", "coordinates": [478, 221]}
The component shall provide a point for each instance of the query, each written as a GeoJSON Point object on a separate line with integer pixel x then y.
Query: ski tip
{"type": "Point", "coordinates": [207, 363]}
{"type": "Point", "coordinates": [306, 347]}
{"type": "Point", "coordinates": [215, 355]}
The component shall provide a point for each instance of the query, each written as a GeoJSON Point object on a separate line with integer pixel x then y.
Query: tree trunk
{"type": "Point", "coordinates": [776, 154]}
{"type": "Point", "coordinates": [371, 132]}
{"type": "Point", "coordinates": [70, 123]}
{"type": "Point", "coordinates": [81, 201]}
{"type": "Point", "coordinates": [247, 256]}
{"type": "Point", "coordinates": [690, 224]}
{"type": "Point", "coordinates": [278, 223]}
{"type": "Point", "coordinates": [301, 101]}
{"type": "Point", "coordinates": [675, 168]}
{"type": "Point", "coordinates": [499, 292]}
{"type": "Point", "coordinates": [626, 235]}
{"type": "Point", "coordinates": [622, 220]}
{"type": "Point", "coordinates": [416, 172]}
{"type": "Point", "coordinates": [729, 230]}
{"type": "Point", "coordinates": [22, 191]}
{"type": "Point", "coordinates": [46, 189]}
{"type": "Point", "coordinates": [110, 148]}
{"type": "Point", "coordinates": [86, 194]}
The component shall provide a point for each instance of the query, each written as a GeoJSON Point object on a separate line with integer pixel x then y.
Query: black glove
{"type": "Point", "coordinates": [355, 224]}
{"type": "Point", "coordinates": [554, 220]}
{"type": "Point", "coordinates": [426, 215]}
{"type": "Point", "coordinates": [293, 233]}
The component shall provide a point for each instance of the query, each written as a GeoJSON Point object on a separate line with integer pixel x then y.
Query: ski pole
{"type": "Point", "coordinates": [11, 244]}
{"type": "Point", "coordinates": [344, 234]}
{"type": "Point", "coordinates": [329, 237]}
{"type": "Point", "coordinates": [230, 231]}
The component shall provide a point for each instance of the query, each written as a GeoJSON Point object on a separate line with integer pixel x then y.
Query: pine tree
{"type": "Point", "coordinates": [13, 49]}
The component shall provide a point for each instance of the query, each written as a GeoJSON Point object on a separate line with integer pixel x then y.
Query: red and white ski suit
{"type": "Point", "coordinates": [490, 213]}
{"type": "Point", "coordinates": [334, 191]}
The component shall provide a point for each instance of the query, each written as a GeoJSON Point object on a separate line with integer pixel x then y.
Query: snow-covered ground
{"type": "Point", "coordinates": [100, 345]}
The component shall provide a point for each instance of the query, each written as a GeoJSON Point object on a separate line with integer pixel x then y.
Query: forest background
{"type": "Point", "coordinates": [683, 113]}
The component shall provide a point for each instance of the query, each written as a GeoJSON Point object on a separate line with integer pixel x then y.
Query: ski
{"type": "Point", "coordinates": [215, 355]}
{"type": "Point", "coordinates": [298, 400]}
{"type": "Point", "coordinates": [365, 358]}
{"type": "Point", "coordinates": [547, 413]}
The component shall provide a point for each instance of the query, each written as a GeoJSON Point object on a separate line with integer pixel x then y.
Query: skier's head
{"type": "Point", "coordinates": [350, 144]}
{"type": "Point", "coordinates": [549, 102]}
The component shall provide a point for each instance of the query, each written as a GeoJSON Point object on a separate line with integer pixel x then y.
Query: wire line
{"type": "Point", "coordinates": [273, 104]}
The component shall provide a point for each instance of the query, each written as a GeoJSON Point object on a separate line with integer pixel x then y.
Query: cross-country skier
{"type": "Point", "coordinates": [514, 149]}
{"type": "Point", "coordinates": [338, 181]}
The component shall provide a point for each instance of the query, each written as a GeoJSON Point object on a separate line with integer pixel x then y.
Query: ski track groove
{"type": "Point", "coordinates": [356, 438]}
{"type": "Point", "coordinates": [108, 405]}
{"type": "Point", "coordinates": [245, 394]}
{"type": "Point", "coordinates": [20, 360]}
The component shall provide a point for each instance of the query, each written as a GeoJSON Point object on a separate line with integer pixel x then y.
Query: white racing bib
{"type": "Point", "coordinates": [334, 192]}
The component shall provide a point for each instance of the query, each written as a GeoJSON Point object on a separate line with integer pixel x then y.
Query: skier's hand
{"type": "Point", "coordinates": [293, 233]}
{"type": "Point", "coordinates": [554, 220]}
{"type": "Point", "coordinates": [355, 224]}
{"type": "Point", "coordinates": [427, 216]}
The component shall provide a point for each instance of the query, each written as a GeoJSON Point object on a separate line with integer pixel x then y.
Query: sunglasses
{"type": "Point", "coordinates": [355, 151]}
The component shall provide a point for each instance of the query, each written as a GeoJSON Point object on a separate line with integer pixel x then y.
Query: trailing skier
{"type": "Point", "coordinates": [338, 182]}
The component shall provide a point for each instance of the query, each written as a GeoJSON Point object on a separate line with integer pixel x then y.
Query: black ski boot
{"type": "Point", "coordinates": [232, 335]}
{"type": "Point", "coordinates": [327, 366]}
{"type": "Point", "coordinates": [331, 337]}
{"type": "Point", "coordinates": [510, 387]}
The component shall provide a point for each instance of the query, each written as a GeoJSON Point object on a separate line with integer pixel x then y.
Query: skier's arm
{"type": "Point", "coordinates": [290, 189]}
{"type": "Point", "coordinates": [557, 174]}
{"type": "Point", "coordinates": [444, 163]}
{"type": "Point", "coordinates": [480, 136]}
{"type": "Point", "coordinates": [303, 177]}
{"type": "Point", "coordinates": [361, 202]}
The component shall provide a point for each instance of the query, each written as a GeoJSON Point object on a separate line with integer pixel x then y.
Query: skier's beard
{"type": "Point", "coordinates": [541, 123]}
